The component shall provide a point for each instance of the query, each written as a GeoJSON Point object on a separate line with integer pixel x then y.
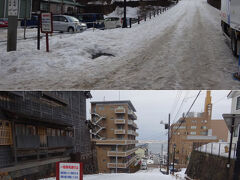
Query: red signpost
{"type": "Point", "coordinates": [46, 26]}
{"type": "Point", "coordinates": [69, 171]}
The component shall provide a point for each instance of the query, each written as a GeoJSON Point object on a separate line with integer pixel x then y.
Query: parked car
{"type": "Point", "coordinates": [95, 20]}
{"type": "Point", "coordinates": [30, 23]}
{"type": "Point", "coordinates": [112, 22]}
{"type": "Point", "coordinates": [3, 22]}
{"type": "Point", "coordinates": [64, 23]}
{"type": "Point", "coordinates": [144, 165]}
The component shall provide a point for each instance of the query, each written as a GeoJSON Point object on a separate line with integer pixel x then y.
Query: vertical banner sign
{"type": "Point", "coordinates": [12, 7]}
{"type": "Point", "coordinates": [69, 171]}
{"type": "Point", "coordinates": [46, 26]}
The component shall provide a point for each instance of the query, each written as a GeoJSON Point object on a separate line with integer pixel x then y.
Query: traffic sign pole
{"type": "Point", "coordinates": [12, 25]}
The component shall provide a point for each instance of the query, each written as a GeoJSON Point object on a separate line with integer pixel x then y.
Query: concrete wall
{"type": "Point", "coordinates": [204, 166]}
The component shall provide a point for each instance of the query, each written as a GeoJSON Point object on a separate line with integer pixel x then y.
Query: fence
{"type": "Point", "coordinates": [219, 149]}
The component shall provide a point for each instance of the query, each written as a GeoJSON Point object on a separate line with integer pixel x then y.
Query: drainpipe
{"type": "Point", "coordinates": [116, 157]}
{"type": "Point", "coordinates": [230, 148]}
{"type": "Point", "coordinates": [236, 171]}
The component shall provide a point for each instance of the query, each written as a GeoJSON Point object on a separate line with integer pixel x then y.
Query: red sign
{"type": "Point", "coordinates": [46, 23]}
{"type": "Point", "coordinates": [69, 171]}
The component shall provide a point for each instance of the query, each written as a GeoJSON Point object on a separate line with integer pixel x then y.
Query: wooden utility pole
{"type": "Point", "coordinates": [168, 143]}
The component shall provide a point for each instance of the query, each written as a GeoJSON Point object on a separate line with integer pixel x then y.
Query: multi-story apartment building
{"type": "Point", "coordinates": [37, 129]}
{"type": "Point", "coordinates": [114, 131]}
{"type": "Point", "coordinates": [192, 131]}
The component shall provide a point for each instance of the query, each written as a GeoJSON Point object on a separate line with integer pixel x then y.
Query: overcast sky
{"type": "Point", "coordinates": [153, 106]}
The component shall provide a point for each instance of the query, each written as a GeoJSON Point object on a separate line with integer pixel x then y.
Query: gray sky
{"type": "Point", "coordinates": [153, 106]}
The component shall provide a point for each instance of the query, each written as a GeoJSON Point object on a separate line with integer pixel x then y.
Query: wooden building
{"type": "Point", "coordinates": [42, 127]}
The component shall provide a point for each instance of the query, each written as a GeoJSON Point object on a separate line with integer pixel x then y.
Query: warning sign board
{"type": "Point", "coordinates": [69, 171]}
{"type": "Point", "coordinates": [46, 23]}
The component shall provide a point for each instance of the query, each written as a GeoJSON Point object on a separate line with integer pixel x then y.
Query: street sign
{"type": "Point", "coordinates": [46, 23]}
{"type": "Point", "coordinates": [69, 171]}
{"type": "Point", "coordinates": [12, 7]}
{"type": "Point", "coordinates": [46, 26]}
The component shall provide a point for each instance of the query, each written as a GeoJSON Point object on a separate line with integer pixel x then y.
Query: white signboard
{"type": "Point", "coordinates": [69, 171]}
{"type": "Point", "coordinates": [12, 7]}
{"type": "Point", "coordinates": [46, 22]}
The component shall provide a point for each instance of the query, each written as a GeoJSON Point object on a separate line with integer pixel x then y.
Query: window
{"type": "Point", "coordinates": [193, 127]}
{"type": "Point", "coordinates": [203, 127]}
{"type": "Point", "coordinates": [203, 133]}
{"type": "Point", "coordinates": [101, 108]}
{"type": "Point", "coordinates": [20, 129]}
{"type": "Point", "coordinates": [238, 103]}
{"type": "Point", "coordinates": [203, 121]}
{"type": "Point", "coordinates": [194, 121]}
{"type": "Point", "coordinates": [193, 133]}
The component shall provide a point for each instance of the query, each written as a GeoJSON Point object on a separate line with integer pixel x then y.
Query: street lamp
{"type": "Point", "coordinates": [174, 149]}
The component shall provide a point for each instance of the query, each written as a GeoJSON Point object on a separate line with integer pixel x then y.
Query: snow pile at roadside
{"type": "Point", "coordinates": [71, 53]}
{"type": "Point", "coordinates": [153, 174]}
{"type": "Point", "coordinates": [131, 12]}
{"type": "Point", "coordinates": [218, 149]}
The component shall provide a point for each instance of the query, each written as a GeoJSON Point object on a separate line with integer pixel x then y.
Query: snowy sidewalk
{"type": "Point", "coordinates": [182, 48]}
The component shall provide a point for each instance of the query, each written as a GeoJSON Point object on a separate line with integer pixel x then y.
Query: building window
{"type": "Point", "coordinates": [193, 133]}
{"type": "Point", "coordinates": [193, 127]}
{"type": "Point", "coordinates": [238, 103]}
{"type": "Point", "coordinates": [203, 127]}
{"type": "Point", "coordinates": [203, 133]}
{"type": "Point", "coordinates": [194, 121]}
{"type": "Point", "coordinates": [100, 108]}
{"type": "Point", "coordinates": [20, 129]}
{"type": "Point", "coordinates": [203, 121]}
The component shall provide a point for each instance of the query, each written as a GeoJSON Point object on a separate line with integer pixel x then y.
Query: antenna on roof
{"type": "Point", "coordinates": [119, 95]}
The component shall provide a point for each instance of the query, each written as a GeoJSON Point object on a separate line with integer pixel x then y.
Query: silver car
{"type": "Point", "coordinates": [64, 23]}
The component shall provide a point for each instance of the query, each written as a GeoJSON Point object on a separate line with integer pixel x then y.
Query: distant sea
{"type": "Point", "coordinates": [156, 148]}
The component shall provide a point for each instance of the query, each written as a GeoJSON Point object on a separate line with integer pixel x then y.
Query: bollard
{"type": "Point", "coordinates": [153, 13]}
{"type": "Point", "coordinates": [130, 22]}
{"type": "Point", "coordinates": [138, 20]}
{"type": "Point", "coordinates": [150, 15]}
{"type": "Point", "coordinates": [160, 11]}
{"type": "Point", "coordinates": [157, 11]}
{"type": "Point", "coordinates": [145, 17]}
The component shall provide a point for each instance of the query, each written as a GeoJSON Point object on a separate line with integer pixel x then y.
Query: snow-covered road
{"type": "Point", "coordinates": [153, 174]}
{"type": "Point", "coordinates": [181, 49]}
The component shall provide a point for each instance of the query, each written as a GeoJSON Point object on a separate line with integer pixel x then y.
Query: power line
{"type": "Point", "coordinates": [188, 111]}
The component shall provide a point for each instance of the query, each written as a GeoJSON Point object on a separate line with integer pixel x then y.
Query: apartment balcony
{"type": "Point", "coordinates": [131, 132]}
{"type": "Point", "coordinates": [121, 165]}
{"type": "Point", "coordinates": [115, 142]}
{"type": "Point", "coordinates": [119, 131]}
{"type": "Point", "coordinates": [120, 110]}
{"type": "Point", "coordinates": [121, 154]}
{"type": "Point", "coordinates": [131, 114]}
{"type": "Point", "coordinates": [119, 121]}
{"type": "Point", "coordinates": [132, 123]}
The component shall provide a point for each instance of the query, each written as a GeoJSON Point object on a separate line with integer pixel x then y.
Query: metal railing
{"type": "Point", "coordinates": [219, 149]}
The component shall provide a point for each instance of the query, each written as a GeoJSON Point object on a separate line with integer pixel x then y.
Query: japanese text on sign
{"type": "Point", "coordinates": [69, 171]}
{"type": "Point", "coordinates": [46, 22]}
{"type": "Point", "coordinates": [12, 7]}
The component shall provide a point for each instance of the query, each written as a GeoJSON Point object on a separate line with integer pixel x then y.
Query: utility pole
{"type": "Point", "coordinates": [174, 149]}
{"type": "Point", "coordinates": [168, 143]}
{"type": "Point", "coordinates": [125, 15]}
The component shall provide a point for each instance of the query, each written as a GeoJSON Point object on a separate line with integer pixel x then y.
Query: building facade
{"type": "Point", "coordinates": [193, 131]}
{"type": "Point", "coordinates": [42, 127]}
{"type": "Point", "coordinates": [234, 115]}
{"type": "Point", "coordinates": [114, 132]}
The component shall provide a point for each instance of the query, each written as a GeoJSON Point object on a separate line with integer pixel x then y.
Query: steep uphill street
{"type": "Point", "coordinates": [184, 48]}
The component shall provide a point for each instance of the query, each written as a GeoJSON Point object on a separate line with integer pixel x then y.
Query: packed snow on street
{"type": "Point", "coordinates": [153, 174]}
{"type": "Point", "coordinates": [183, 48]}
